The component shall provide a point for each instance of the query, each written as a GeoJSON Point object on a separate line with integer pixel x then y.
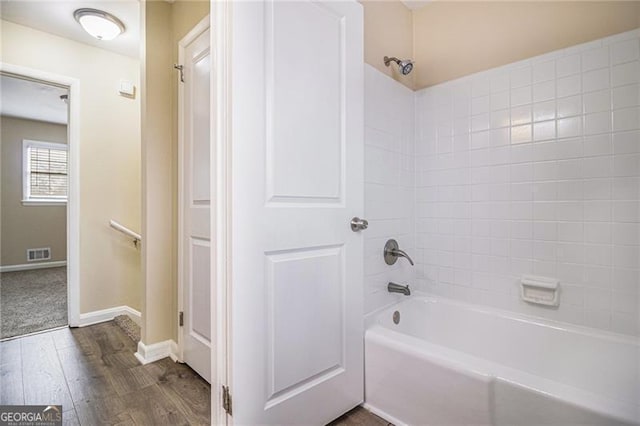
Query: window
{"type": "Point", "coordinates": [45, 178]}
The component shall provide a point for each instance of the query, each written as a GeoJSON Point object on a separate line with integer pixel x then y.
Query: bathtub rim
{"type": "Point", "coordinates": [378, 323]}
{"type": "Point", "coordinates": [372, 318]}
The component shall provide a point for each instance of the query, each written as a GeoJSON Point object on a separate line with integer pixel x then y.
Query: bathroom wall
{"type": "Point", "coordinates": [452, 39]}
{"type": "Point", "coordinates": [389, 184]}
{"type": "Point", "coordinates": [533, 168]}
{"type": "Point", "coordinates": [388, 31]}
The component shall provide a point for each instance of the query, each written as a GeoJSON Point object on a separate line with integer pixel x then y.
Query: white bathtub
{"type": "Point", "coordinates": [450, 363]}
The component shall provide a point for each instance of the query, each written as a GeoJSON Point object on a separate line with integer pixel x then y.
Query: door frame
{"type": "Point", "coordinates": [219, 23]}
{"type": "Point", "coordinates": [220, 157]}
{"type": "Point", "coordinates": [73, 200]}
{"type": "Point", "coordinates": [196, 31]}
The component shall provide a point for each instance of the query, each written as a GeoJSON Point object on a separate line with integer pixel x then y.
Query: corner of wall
{"type": "Point", "coordinates": [157, 205]}
{"type": "Point", "coordinates": [166, 23]}
{"type": "Point", "coordinates": [147, 354]}
{"type": "Point", "coordinates": [396, 39]}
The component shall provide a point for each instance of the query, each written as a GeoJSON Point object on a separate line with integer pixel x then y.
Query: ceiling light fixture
{"type": "Point", "coordinates": [100, 24]}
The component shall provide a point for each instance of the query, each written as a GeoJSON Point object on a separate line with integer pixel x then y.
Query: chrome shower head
{"type": "Point", "coordinates": [405, 65]}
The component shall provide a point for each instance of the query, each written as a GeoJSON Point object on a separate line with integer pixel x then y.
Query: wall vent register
{"type": "Point", "coordinates": [38, 254]}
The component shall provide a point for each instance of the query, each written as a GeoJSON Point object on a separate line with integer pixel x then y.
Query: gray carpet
{"type": "Point", "coordinates": [32, 301]}
{"type": "Point", "coordinates": [129, 326]}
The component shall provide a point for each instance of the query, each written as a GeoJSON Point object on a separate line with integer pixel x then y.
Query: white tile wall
{"type": "Point", "coordinates": [530, 168]}
{"type": "Point", "coordinates": [389, 184]}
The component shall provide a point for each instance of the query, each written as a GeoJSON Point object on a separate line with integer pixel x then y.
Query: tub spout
{"type": "Point", "coordinates": [397, 288]}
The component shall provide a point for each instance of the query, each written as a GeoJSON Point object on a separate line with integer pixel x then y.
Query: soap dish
{"type": "Point", "coordinates": [540, 290]}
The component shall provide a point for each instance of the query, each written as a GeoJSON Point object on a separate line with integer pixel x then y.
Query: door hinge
{"type": "Point", "coordinates": [226, 400]}
{"type": "Point", "coordinates": [181, 318]}
{"type": "Point", "coordinates": [181, 69]}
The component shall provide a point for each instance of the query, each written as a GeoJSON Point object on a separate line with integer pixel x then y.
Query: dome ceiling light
{"type": "Point", "coordinates": [100, 24]}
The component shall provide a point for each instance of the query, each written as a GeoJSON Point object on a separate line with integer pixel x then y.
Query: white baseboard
{"type": "Point", "coordinates": [30, 266]}
{"type": "Point", "coordinates": [157, 351]}
{"type": "Point", "coordinates": [383, 414]}
{"type": "Point", "coordinates": [103, 315]}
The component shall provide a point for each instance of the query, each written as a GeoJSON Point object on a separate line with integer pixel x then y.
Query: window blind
{"type": "Point", "coordinates": [48, 172]}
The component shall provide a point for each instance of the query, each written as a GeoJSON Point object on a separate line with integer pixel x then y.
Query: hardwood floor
{"type": "Point", "coordinates": [92, 373]}
{"type": "Point", "coordinates": [359, 417]}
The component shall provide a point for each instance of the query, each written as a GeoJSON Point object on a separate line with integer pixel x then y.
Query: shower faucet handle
{"type": "Point", "coordinates": [392, 252]}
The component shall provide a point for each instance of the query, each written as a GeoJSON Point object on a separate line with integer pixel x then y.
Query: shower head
{"type": "Point", "coordinates": [405, 66]}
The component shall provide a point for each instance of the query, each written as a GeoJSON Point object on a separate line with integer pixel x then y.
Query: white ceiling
{"type": "Point", "coordinates": [35, 101]}
{"type": "Point", "coordinates": [56, 17]}
{"type": "Point", "coordinates": [415, 4]}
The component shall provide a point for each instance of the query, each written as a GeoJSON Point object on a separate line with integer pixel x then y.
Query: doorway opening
{"type": "Point", "coordinates": [38, 291]}
{"type": "Point", "coordinates": [194, 195]}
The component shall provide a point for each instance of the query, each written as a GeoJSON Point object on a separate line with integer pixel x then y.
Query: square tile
{"type": "Point", "coordinates": [625, 51]}
{"type": "Point", "coordinates": [623, 74]}
{"type": "Point", "coordinates": [569, 86]}
{"type": "Point", "coordinates": [595, 80]}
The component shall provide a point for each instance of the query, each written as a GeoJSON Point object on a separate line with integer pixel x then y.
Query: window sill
{"type": "Point", "coordinates": [44, 202]}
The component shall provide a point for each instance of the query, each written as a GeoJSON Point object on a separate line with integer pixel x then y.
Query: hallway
{"type": "Point", "coordinates": [93, 374]}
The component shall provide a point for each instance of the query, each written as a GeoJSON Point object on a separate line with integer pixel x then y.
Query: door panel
{"type": "Point", "coordinates": [196, 202]}
{"type": "Point", "coordinates": [309, 66]}
{"type": "Point", "coordinates": [310, 277]}
{"type": "Point", "coordinates": [297, 332]}
{"type": "Point", "coordinates": [200, 294]}
{"type": "Point", "coordinates": [199, 86]}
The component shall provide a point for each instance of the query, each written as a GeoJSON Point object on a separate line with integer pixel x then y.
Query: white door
{"type": "Point", "coordinates": [297, 181]}
{"type": "Point", "coordinates": [195, 199]}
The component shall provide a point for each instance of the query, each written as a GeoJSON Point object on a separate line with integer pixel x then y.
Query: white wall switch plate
{"type": "Point", "coordinates": [127, 88]}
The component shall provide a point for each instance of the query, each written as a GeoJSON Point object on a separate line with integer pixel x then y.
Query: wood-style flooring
{"type": "Point", "coordinates": [359, 417]}
{"type": "Point", "coordinates": [92, 373]}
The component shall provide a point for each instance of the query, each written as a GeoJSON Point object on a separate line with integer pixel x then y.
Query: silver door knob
{"type": "Point", "coordinates": [358, 224]}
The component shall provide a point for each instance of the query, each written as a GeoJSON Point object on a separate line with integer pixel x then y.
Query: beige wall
{"type": "Point", "coordinates": [450, 39]}
{"type": "Point", "coordinates": [109, 158]}
{"type": "Point", "coordinates": [25, 227]}
{"type": "Point", "coordinates": [157, 202]}
{"type": "Point", "coordinates": [453, 39]}
{"type": "Point", "coordinates": [185, 14]}
{"type": "Point", "coordinates": [166, 23]}
{"type": "Point", "coordinates": [388, 31]}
